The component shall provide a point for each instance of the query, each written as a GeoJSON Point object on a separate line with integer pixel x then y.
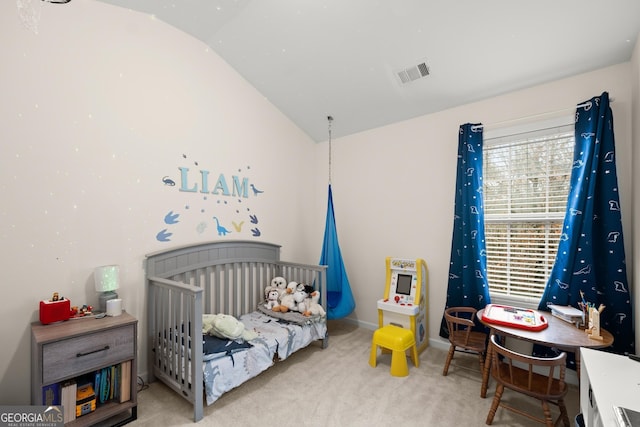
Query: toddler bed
{"type": "Point", "coordinates": [226, 277]}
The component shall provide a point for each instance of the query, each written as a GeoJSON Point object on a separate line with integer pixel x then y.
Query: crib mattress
{"type": "Point", "coordinates": [276, 339]}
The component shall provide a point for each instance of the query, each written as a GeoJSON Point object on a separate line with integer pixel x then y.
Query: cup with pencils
{"type": "Point", "coordinates": [591, 317]}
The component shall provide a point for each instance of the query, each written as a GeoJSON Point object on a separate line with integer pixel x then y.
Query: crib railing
{"type": "Point", "coordinates": [174, 325]}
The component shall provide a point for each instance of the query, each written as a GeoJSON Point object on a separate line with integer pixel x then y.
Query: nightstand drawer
{"type": "Point", "coordinates": [68, 357]}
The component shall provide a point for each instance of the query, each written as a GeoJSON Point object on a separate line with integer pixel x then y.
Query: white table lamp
{"type": "Point", "coordinates": [107, 280]}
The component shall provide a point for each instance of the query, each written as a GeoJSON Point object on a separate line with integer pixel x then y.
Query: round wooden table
{"type": "Point", "coordinates": [560, 334]}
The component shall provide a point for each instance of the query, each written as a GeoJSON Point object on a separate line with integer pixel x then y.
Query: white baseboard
{"type": "Point", "coordinates": [437, 342]}
{"type": "Point", "coordinates": [440, 343]}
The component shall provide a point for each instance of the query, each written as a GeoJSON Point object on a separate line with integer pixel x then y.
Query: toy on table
{"type": "Point", "coordinates": [85, 310]}
{"type": "Point", "coordinates": [514, 317]}
{"type": "Point", "coordinates": [55, 309]}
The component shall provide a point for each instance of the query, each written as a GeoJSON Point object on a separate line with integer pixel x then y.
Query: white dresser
{"type": "Point", "coordinates": [606, 380]}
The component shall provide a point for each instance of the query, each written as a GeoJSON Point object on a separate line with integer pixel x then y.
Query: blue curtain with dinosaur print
{"type": "Point", "coordinates": [340, 302]}
{"type": "Point", "coordinates": [591, 256]}
{"type": "Point", "coordinates": [468, 285]}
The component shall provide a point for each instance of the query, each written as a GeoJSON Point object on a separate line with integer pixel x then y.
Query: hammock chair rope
{"type": "Point", "coordinates": [329, 120]}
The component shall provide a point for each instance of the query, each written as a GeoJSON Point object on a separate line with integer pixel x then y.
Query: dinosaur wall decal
{"type": "Point", "coordinates": [221, 230]}
{"type": "Point", "coordinates": [228, 191]}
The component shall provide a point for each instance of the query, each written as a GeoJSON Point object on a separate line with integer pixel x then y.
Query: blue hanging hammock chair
{"type": "Point", "coordinates": [340, 302]}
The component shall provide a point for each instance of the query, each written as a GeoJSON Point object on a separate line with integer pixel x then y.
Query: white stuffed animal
{"type": "Point", "coordinates": [272, 300]}
{"type": "Point", "coordinates": [286, 300]}
{"type": "Point", "coordinates": [300, 297]}
{"type": "Point", "coordinates": [277, 283]}
{"type": "Point", "coordinates": [226, 326]}
{"type": "Point", "coordinates": [313, 305]}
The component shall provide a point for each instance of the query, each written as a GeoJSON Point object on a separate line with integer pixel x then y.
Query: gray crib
{"type": "Point", "coordinates": [216, 277]}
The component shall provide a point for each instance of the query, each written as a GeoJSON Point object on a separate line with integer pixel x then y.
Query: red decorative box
{"type": "Point", "coordinates": [54, 311]}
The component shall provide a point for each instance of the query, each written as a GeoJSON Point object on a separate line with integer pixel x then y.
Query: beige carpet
{"type": "Point", "coordinates": [337, 387]}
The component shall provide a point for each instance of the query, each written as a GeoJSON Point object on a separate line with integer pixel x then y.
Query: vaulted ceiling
{"type": "Point", "coordinates": [343, 58]}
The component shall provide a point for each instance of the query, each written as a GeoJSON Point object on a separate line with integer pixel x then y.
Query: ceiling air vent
{"type": "Point", "coordinates": [415, 72]}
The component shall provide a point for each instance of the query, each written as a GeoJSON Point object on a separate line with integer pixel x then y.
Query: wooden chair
{"type": "Point", "coordinates": [460, 324]}
{"type": "Point", "coordinates": [532, 376]}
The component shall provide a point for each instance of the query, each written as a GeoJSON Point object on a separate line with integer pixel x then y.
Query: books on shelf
{"type": "Point", "coordinates": [69, 389]}
{"type": "Point", "coordinates": [112, 383]}
{"type": "Point", "coordinates": [567, 313]}
{"type": "Point", "coordinates": [51, 394]}
{"type": "Point", "coordinates": [125, 381]}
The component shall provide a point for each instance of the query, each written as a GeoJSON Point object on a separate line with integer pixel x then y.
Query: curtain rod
{"type": "Point", "coordinates": [547, 113]}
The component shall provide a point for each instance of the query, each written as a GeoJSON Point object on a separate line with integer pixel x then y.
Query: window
{"type": "Point", "coordinates": [525, 186]}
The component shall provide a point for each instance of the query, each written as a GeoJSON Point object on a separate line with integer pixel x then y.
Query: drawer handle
{"type": "Point", "coordinates": [106, 347]}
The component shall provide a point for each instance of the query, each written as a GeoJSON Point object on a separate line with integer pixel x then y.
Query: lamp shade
{"type": "Point", "coordinates": [107, 278]}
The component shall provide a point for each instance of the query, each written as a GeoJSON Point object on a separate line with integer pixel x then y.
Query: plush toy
{"type": "Point", "coordinates": [273, 300]}
{"type": "Point", "coordinates": [300, 297]}
{"type": "Point", "coordinates": [313, 306]}
{"type": "Point", "coordinates": [207, 323]}
{"type": "Point", "coordinates": [286, 300]}
{"type": "Point", "coordinates": [277, 283]}
{"type": "Point", "coordinates": [226, 326]}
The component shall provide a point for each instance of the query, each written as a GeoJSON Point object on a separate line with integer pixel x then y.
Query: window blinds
{"type": "Point", "coordinates": [525, 185]}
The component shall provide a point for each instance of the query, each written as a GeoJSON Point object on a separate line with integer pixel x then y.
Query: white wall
{"type": "Point", "coordinates": [393, 187]}
{"type": "Point", "coordinates": [97, 108]}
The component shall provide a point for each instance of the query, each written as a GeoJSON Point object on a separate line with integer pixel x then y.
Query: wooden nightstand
{"type": "Point", "coordinates": [78, 348]}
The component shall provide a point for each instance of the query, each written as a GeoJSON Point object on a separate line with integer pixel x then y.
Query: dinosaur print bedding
{"type": "Point", "coordinates": [277, 340]}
